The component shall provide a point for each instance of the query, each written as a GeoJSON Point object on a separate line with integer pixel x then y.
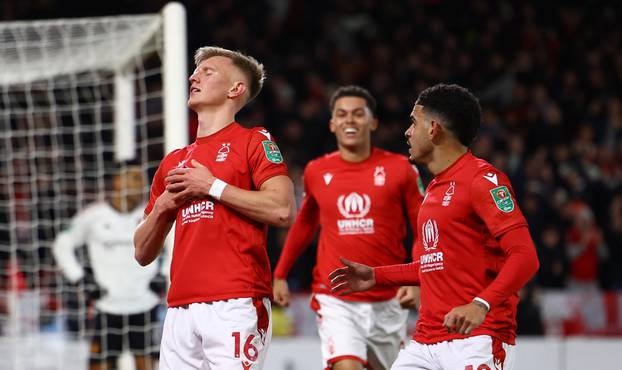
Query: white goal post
{"type": "Point", "coordinates": [80, 98]}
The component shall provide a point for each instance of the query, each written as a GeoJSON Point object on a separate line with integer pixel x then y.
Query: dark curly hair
{"type": "Point", "coordinates": [457, 106]}
{"type": "Point", "coordinates": [357, 91]}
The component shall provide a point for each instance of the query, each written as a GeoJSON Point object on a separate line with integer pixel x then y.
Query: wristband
{"type": "Point", "coordinates": [479, 300]}
{"type": "Point", "coordinates": [218, 186]}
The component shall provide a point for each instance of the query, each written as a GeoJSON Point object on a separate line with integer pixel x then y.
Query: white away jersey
{"type": "Point", "coordinates": [109, 236]}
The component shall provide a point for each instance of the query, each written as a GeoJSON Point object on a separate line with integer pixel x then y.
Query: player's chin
{"type": "Point", "coordinates": [194, 101]}
{"type": "Point", "coordinates": [350, 142]}
{"type": "Point", "coordinates": [413, 158]}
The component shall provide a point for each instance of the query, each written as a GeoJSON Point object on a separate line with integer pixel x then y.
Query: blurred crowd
{"type": "Point", "coordinates": [548, 75]}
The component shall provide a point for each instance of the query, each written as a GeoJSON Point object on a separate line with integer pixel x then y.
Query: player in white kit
{"type": "Point", "coordinates": [125, 314]}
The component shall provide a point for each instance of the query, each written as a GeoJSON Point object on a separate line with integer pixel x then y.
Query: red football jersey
{"type": "Point", "coordinates": [220, 253]}
{"type": "Point", "coordinates": [466, 207]}
{"type": "Point", "coordinates": [360, 208]}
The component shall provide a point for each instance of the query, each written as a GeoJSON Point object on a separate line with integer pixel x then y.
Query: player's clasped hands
{"type": "Point", "coordinates": [190, 183]}
{"type": "Point", "coordinates": [167, 204]}
{"type": "Point", "coordinates": [463, 319]}
{"type": "Point", "coordinates": [353, 277]}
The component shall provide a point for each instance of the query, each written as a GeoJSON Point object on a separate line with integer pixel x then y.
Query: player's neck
{"type": "Point", "coordinates": [355, 154]}
{"type": "Point", "coordinates": [121, 206]}
{"type": "Point", "coordinates": [444, 157]}
{"type": "Point", "coordinates": [213, 119]}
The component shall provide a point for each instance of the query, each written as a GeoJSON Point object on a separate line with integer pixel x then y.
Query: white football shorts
{"type": "Point", "coordinates": [480, 352]}
{"type": "Point", "coordinates": [369, 332]}
{"type": "Point", "coordinates": [220, 335]}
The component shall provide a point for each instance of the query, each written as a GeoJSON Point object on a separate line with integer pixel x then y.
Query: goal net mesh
{"type": "Point", "coordinates": [77, 97]}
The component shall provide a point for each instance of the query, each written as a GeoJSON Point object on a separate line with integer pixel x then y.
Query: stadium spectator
{"type": "Point", "coordinates": [614, 241]}
{"type": "Point", "coordinates": [357, 196]}
{"type": "Point", "coordinates": [221, 191]}
{"type": "Point", "coordinates": [585, 247]}
{"type": "Point", "coordinates": [528, 316]}
{"type": "Point", "coordinates": [553, 272]}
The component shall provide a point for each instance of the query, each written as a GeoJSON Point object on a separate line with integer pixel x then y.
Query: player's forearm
{"type": "Point", "coordinates": [519, 267]}
{"type": "Point", "coordinates": [270, 206]}
{"type": "Point", "coordinates": [298, 239]}
{"type": "Point", "coordinates": [63, 251]}
{"type": "Point", "coordinates": [397, 275]}
{"type": "Point", "coordinates": [149, 237]}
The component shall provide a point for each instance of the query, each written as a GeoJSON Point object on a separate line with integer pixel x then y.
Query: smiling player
{"type": "Point", "coordinates": [474, 251]}
{"type": "Point", "coordinates": [358, 196]}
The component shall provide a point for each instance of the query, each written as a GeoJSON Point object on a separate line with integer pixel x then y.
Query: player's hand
{"type": "Point", "coordinates": [280, 290]}
{"type": "Point", "coordinates": [463, 319]}
{"type": "Point", "coordinates": [353, 277]}
{"type": "Point", "coordinates": [167, 205]}
{"type": "Point", "coordinates": [190, 183]}
{"type": "Point", "coordinates": [408, 296]}
{"type": "Point", "coordinates": [92, 291]}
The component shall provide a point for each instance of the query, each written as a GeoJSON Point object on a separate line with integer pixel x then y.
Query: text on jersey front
{"type": "Point", "coordinates": [197, 211]}
{"type": "Point", "coordinates": [354, 207]}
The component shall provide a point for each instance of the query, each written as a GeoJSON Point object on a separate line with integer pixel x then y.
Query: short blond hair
{"type": "Point", "coordinates": [252, 69]}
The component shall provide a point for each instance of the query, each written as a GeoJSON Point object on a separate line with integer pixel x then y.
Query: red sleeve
{"type": "Point", "coordinates": [413, 196]}
{"type": "Point", "coordinates": [495, 203]}
{"type": "Point", "coordinates": [300, 235]}
{"type": "Point", "coordinates": [397, 275]}
{"type": "Point", "coordinates": [157, 187]}
{"type": "Point", "coordinates": [264, 157]}
{"type": "Point", "coordinates": [519, 267]}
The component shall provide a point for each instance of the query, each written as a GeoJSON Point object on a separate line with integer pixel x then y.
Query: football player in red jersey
{"type": "Point", "coordinates": [221, 191]}
{"type": "Point", "coordinates": [473, 252]}
{"type": "Point", "coordinates": [358, 196]}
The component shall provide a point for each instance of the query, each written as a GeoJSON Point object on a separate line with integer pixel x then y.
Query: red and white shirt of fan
{"type": "Point", "coordinates": [220, 273]}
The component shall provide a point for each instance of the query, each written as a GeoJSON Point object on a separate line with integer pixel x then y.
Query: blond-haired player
{"type": "Point", "coordinates": [222, 191]}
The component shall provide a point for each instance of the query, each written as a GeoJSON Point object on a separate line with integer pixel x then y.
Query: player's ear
{"type": "Point", "coordinates": [332, 125]}
{"type": "Point", "coordinates": [238, 89]}
{"type": "Point", "coordinates": [374, 124]}
{"type": "Point", "coordinates": [435, 131]}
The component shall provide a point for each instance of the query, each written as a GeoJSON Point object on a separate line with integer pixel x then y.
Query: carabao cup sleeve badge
{"type": "Point", "coordinates": [273, 154]}
{"type": "Point", "coordinates": [503, 199]}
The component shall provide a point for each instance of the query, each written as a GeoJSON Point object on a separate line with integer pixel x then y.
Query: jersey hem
{"type": "Point", "coordinates": [354, 298]}
{"type": "Point", "coordinates": [220, 297]}
{"type": "Point", "coordinates": [505, 338]}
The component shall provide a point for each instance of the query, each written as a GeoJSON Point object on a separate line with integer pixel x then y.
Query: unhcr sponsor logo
{"type": "Point", "coordinates": [354, 207]}
{"type": "Point", "coordinates": [197, 211]}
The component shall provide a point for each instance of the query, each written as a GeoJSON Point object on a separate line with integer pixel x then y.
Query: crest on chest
{"type": "Point", "coordinates": [223, 152]}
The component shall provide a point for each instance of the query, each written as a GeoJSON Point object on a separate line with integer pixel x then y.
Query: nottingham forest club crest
{"type": "Point", "coordinates": [503, 199]}
{"type": "Point", "coordinates": [273, 154]}
{"type": "Point", "coordinates": [223, 152]}
{"type": "Point", "coordinates": [379, 176]}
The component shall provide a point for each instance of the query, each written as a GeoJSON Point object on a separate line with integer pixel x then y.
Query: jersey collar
{"type": "Point", "coordinates": [454, 167]}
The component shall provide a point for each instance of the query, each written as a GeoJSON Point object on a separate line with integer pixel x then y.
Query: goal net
{"type": "Point", "coordinates": [80, 99]}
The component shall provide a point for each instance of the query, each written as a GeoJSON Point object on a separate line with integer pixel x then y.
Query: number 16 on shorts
{"type": "Point", "coordinates": [248, 349]}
